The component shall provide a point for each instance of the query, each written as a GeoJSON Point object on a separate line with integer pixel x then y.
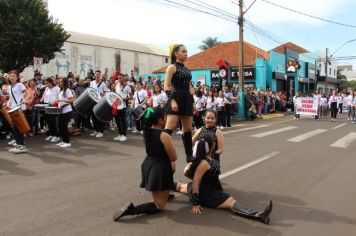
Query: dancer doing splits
{"type": "Point", "coordinates": [210, 128]}
{"type": "Point", "coordinates": [180, 99]}
{"type": "Point", "coordinates": [206, 189]}
{"type": "Point", "coordinates": [158, 167]}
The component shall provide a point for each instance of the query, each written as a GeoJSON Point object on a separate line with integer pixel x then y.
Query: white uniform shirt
{"type": "Point", "coordinates": [354, 102]}
{"type": "Point", "coordinates": [349, 100]}
{"type": "Point", "coordinates": [140, 95]}
{"type": "Point", "coordinates": [15, 93]}
{"type": "Point", "coordinates": [100, 87]}
{"type": "Point", "coordinates": [333, 99]}
{"type": "Point", "coordinates": [68, 94]}
{"type": "Point", "coordinates": [220, 102]}
{"type": "Point", "coordinates": [158, 99]}
{"type": "Point", "coordinates": [317, 96]}
{"type": "Point", "coordinates": [323, 101]}
{"type": "Point", "coordinates": [51, 94]}
{"type": "Point", "coordinates": [199, 103]}
{"type": "Point", "coordinates": [124, 91]}
{"type": "Point", "coordinates": [210, 104]}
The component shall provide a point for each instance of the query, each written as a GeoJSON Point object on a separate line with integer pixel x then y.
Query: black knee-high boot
{"type": "Point", "coordinates": [188, 146]}
{"type": "Point", "coordinates": [146, 208]}
{"type": "Point", "coordinates": [253, 214]}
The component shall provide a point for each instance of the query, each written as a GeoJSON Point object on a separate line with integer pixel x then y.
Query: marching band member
{"type": "Point", "coordinates": [349, 104]}
{"type": "Point", "coordinates": [180, 103]}
{"type": "Point", "coordinates": [211, 101]}
{"type": "Point", "coordinates": [158, 167]}
{"type": "Point", "coordinates": [220, 101]}
{"type": "Point", "coordinates": [206, 191]}
{"type": "Point", "coordinates": [16, 93]}
{"type": "Point", "coordinates": [159, 97]}
{"type": "Point", "coordinates": [353, 107]}
{"type": "Point", "coordinates": [333, 100]}
{"type": "Point", "coordinates": [64, 101]}
{"type": "Point", "coordinates": [229, 98]}
{"type": "Point", "coordinates": [140, 97]}
{"type": "Point", "coordinates": [50, 96]}
{"type": "Point", "coordinates": [99, 86]}
{"type": "Point", "coordinates": [125, 92]}
{"type": "Point", "coordinates": [199, 107]}
{"type": "Point", "coordinates": [318, 97]}
{"type": "Point", "coordinates": [210, 128]}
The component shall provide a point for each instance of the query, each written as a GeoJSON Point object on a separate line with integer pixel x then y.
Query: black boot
{"type": "Point", "coordinates": [146, 208]}
{"type": "Point", "coordinates": [253, 214]}
{"type": "Point", "coordinates": [188, 146]}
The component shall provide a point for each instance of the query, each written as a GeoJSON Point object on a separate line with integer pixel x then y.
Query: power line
{"type": "Point", "coordinates": [215, 8]}
{"type": "Point", "coordinates": [308, 15]}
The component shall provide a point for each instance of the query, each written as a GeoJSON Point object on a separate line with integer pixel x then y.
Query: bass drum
{"type": "Point", "coordinates": [85, 102]}
{"type": "Point", "coordinates": [104, 109]}
{"type": "Point", "coordinates": [19, 120]}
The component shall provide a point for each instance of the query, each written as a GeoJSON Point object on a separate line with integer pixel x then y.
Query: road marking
{"type": "Point", "coordinates": [305, 136]}
{"type": "Point", "coordinates": [339, 126]}
{"type": "Point", "coordinates": [276, 131]}
{"type": "Point", "coordinates": [282, 121]}
{"type": "Point", "coordinates": [345, 141]}
{"type": "Point", "coordinates": [248, 165]}
{"type": "Point", "coordinates": [245, 129]}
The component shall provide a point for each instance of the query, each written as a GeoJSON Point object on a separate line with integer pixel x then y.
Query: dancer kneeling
{"type": "Point", "coordinates": [206, 189]}
{"type": "Point", "coordinates": [158, 167]}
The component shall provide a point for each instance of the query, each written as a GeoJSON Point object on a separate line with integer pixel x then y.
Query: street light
{"type": "Point", "coordinates": [350, 41]}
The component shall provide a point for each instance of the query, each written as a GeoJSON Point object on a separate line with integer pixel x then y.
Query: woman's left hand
{"type": "Point", "coordinates": [198, 210]}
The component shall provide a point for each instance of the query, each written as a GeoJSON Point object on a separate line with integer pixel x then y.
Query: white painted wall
{"type": "Point", "coordinates": [332, 69]}
{"type": "Point", "coordinates": [79, 58]}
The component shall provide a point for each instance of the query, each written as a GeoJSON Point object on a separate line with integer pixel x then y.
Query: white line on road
{"type": "Point", "coordinates": [339, 126]}
{"type": "Point", "coordinates": [276, 131]}
{"type": "Point", "coordinates": [245, 129]}
{"type": "Point", "coordinates": [305, 136]}
{"type": "Point", "coordinates": [345, 141]}
{"type": "Point", "coordinates": [248, 165]}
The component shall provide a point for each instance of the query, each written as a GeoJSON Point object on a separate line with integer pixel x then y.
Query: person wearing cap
{"type": "Point", "coordinates": [16, 93]}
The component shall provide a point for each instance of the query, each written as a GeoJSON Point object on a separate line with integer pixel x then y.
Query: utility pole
{"type": "Point", "coordinates": [326, 70]}
{"type": "Point", "coordinates": [241, 105]}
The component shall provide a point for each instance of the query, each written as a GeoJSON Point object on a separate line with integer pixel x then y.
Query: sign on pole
{"type": "Point", "coordinates": [37, 63]}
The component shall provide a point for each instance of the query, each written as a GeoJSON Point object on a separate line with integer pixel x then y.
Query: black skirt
{"type": "Point", "coordinates": [184, 101]}
{"type": "Point", "coordinates": [209, 196]}
{"type": "Point", "coordinates": [157, 175]}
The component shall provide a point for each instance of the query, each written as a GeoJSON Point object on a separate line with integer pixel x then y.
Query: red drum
{"type": "Point", "coordinates": [4, 111]}
{"type": "Point", "coordinates": [19, 119]}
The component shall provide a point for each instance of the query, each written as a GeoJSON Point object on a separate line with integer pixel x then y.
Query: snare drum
{"type": "Point", "coordinates": [138, 112]}
{"type": "Point", "coordinates": [40, 107]}
{"type": "Point", "coordinates": [19, 120]}
{"type": "Point", "coordinates": [53, 110]}
{"type": "Point", "coordinates": [104, 109]}
{"type": "Point", "coordinates": [85, 102]}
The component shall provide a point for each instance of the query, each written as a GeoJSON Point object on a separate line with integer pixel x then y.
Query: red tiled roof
{"type": "Point", "coordinates": [226, 51]}
{"type": "Point", "coordinates": [281, 49]}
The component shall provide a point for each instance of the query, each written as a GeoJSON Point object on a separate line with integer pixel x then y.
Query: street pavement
{"type": "Point", "coordinates": [306, 167]}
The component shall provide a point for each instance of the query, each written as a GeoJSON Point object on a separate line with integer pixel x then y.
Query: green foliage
{"type": "Point", "coordinates": [26, 31]}
{"type": "Point", "coordinates": [341, 76]}
{"type": "Point", "coordinates": [209, 43]}
{"type": "Point", "coordinates": [346, 85]}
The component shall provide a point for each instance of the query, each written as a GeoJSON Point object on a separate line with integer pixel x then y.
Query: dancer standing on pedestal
{"type": "Point", "coordinates": [180, 100]}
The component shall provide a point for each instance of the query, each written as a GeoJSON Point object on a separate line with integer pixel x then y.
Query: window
{"type": "Point", "coordinates": [334, 72]}
{"type": "Point", "coordinates": [329, 71]}
{"type": "Point", "coordinates": [166, 59]}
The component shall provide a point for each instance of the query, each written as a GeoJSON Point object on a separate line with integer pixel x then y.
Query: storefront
{"type": "Point", "coordinates": [249, 77]}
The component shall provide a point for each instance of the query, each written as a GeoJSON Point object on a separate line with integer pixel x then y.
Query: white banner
{"type": "Point", "coordinates": [306, 106]}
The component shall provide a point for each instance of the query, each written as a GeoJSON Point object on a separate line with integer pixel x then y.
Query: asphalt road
{"type": "Point", "coordinates": [306, 167]}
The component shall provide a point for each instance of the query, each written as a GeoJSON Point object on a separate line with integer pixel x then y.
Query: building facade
{"type": "Point", "coordinates": [263, 70]}
{"type": "Point", "coordinates": [82, 52]}
{"type": "Point", "coordinates": [347, 70]}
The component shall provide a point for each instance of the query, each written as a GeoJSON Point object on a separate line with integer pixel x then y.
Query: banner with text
{"type": "Point", "coordinates": [306, 106]}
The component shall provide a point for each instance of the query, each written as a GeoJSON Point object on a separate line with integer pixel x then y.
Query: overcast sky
{"type": "Point", "coordinates": [158, 23]}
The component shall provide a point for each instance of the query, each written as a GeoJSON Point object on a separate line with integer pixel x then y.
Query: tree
{"type": "Point", "coordinates": [209, 42]}
{"type": "Point", "coordinates": [347, 85]}
{"type": "Point", "coordinates": [341, 76]}
{"type": "Point", "coordinates": [26, 31]}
